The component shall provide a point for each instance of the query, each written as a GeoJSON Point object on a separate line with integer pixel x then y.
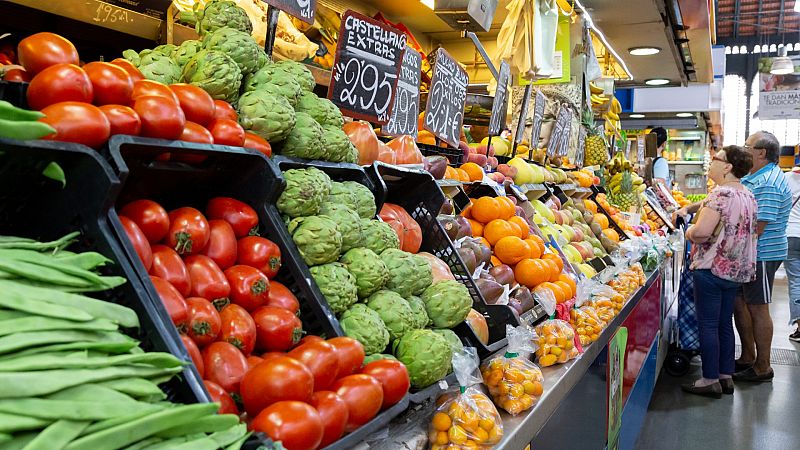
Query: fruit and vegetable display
{"type": "Point", "coordinates": [514, 382]}
{"type": "Point", "coordinates": [71, 378]}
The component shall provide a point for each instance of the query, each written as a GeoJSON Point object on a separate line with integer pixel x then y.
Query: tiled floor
{"type": "Point", "coordinates": [758, 416]}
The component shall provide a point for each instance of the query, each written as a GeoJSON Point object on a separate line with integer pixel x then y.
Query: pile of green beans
{"type": "Point", "coordinates": [18, 123]}
{"type": "Point", "coordinates": [70, 379]}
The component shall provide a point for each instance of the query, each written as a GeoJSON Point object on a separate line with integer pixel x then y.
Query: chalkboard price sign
{"type": "Point", "coordinates": [559, 137]}
{"type": "Point", "coordinates": [538, 117]}
{"type": "Point", "coordinates": [302, 9]}
{"type": "Point", "coordinates": [500, 96]}
{"type": "Point", "coordinates": [579, 154]}
{"type": "Point", "coordinates": [367, 67]}
{"type": "Point", "coordinates": [406, 100]}
{"type": "Point", "coordinates": [444, 112]}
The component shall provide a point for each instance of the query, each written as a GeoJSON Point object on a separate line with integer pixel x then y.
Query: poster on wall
{"type": "Point", "coordinates": [778, 95]}
{"type": "Point", "coordinates": [616, 369]}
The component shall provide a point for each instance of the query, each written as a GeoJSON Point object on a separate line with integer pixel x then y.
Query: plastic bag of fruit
{"type": "Point", "coordinates": [603, 296]}
{"type": "Point", "coordinates": [465, 418]}
{"type": "Point", "coordinates": [514, 382]}
{"type": "Point", "coordinates": [555, 339]}
{"type": "Point", "coordinates": [587, 323]}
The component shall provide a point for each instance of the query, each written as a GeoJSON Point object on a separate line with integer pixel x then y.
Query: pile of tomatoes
{"type": "Point", "coordinates": [89, 104]}
{"type": "Point", "coordinates": [215, 278]}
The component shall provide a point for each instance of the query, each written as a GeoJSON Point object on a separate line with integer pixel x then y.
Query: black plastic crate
{"type": "Point", "coordinates": [14, 92]}
{"type": "Point", "coordinates": [40, 208]}
{"type": "Point", "coordinates": [454, 155]}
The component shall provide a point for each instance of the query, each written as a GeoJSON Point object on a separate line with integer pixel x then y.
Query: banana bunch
{"type": "Point", "coordinates": [613, 184]}
{"type": "Point", "coordinates": [612, 125]}
{"type": "Point", "coordinates": [618, 164]}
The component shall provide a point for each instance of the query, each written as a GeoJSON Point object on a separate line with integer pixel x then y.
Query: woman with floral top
{"type": "Point", "coordinates": [723, 257]}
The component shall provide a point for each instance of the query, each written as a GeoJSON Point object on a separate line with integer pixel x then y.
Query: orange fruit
{"type": "Point", "coordinates": [498, 229]}
{"type": "Point", "coordinates": [536, 251]}
{"type": "Point", "coordinates": [496, 262]}
{"type": "Point", "coordinates": [601, 220]}
{"type": "Point", "coordinates": [556, 259]}
{"type": "Point", "coordinates": [467, 211]}
{"type": "Point", "coordinates": [485, 242]}
{"type": "Point", "coordinates": [590, 205]}
{"type": "Point", "coordinates": [507, 207]}
{"type": "Point", "coordinates": [485, 209]}
{"type": "Point", "coordinates": [566, 288]}
{"type": "Point", "coordinates": [463, 175]}
{"type": "Point", "coordinates": [477, 228]}
{"type": "Point", "coordinates": [525, 229]}
{"type": "Point", "coordinates": [570, 282]}
{"type": "Point", "coordinates": [450, 173]}
{"type": "Point", "coordinates": [473, 170]}
{"type": "Point", "coordinates": [553, 271]}
{"type": "Point", "coordinates": [538, 240]}
{"type": "Point", "coordinates": [530, 272]}
{"type": "Point", "coordinates": [611, 234]}
{"type": "Point", "coordinates": [511, 250]}
{"type": "Point", "coordinates": [561, 296]}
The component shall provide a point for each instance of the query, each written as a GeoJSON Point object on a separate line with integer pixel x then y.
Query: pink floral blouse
{"type": "Point", "coordinates": [731, 255]}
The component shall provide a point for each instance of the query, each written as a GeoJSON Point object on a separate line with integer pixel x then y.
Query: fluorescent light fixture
{"type": "Point", "coordinates": [782, 65]}
{"type": "Point", "coordinates": [656, 82]}
{"type": "Point", "coordinates": [644, 51]}
{"type": "Point", "coordinates": [636, 116]}
{"type": "Point", "coordinates": [685, 114]}
{"type": "Point", "coordinates": [428, 3]}
{"type": "Point", "coordinates": [603, 38]}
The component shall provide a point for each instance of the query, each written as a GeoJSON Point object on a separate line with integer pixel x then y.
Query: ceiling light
{"type": "Point", "coordinates": [636, 116]}
{"type": "Point", "coordinates": [643, 51]}
{"type": "Point", "coordinates": [685, 114]}
{"type": "Point", "coordinates": [796, 6]}
{"type": "Point", "coordinates": [656, 82]}
{"type": "Point", "coordinates": [782, 65]}
{"type": "Point", "coordinates": [428, 3]}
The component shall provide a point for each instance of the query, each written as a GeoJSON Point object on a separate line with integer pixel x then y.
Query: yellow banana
{"type": "Point", "coordinates": [594, 89]}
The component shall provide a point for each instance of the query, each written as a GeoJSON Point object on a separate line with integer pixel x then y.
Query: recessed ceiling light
{"type": "Point", "coordinates": [636, 116]}
{"type": "Point", "coordinates": [644, 51]}
{"type": "Point", "coordinates": [656, 81]}
{"type": "Point", "coordinates": [685, 115]}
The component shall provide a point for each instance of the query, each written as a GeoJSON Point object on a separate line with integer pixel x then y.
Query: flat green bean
{"type": "Point", "coordinates": [210, 424]}
{"type": "Point", "coordinates": [86, 260]}
{"type": "Point", "coordinates": [57, 435]}
{"type": "Point", "coordinates": [227, 437]}
{"type": "Point", "coordinates": [19, 302]}
{"type": "Point", "coordinates": [43, 382]}
{"type": "Point", "coordinates": [92, 391]}
{"type": "Point", "coordinates": [111, 282]}
{"type": "Point", "coordinates": [83, 361]}
{"type": "Point", "coordinates": [5, 437]}
{"type": "Point", "coordinates": [37, 272]}
{"type": "Point", "coordinates": [144, 444]}
{"type": "Point", "coordinates": [14, 239]}
{"type": "Point", "coordinates": [120, 344]}
{"type": "Point", "coordinates": [29, 244]}
{"type": "Point", "coordinates": [172, 443]}
{"type": "Point", "coordinates": [138, 388]}
{"type": "Point", "coordinates": [200, 443]}
{"type": "Point", "coordinates": [106, 424]}
{"type": "Point", "coordinates": [8, 314]}
{"type": "Point", "coordinates": [41, 323]}
{"type": "Point", "coordinates": [72, 409]}
{"type": "Point", "coordinates": [12, 423]}
{"type": "Point", "coordinates": [50, 262]}
{"type": "Point", "coordinates": [19, 441]}
{"type": "Point", "coordinates": [238, 443]}
{"type": "Point", "coordinates": [20, 341]}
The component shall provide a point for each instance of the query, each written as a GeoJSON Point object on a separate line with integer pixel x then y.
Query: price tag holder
{"type": "Point", "coordinates": [302, 9]}
{"type": "Point", "coordinates": [444, 112]}
{"type": "Point", "coordinates": [559, 137]}
{"type": "Point", "coordinates": [366, 69]}
{"type": "Point", "coordinates": [406, 101]}
{"type": "Point", "coordinates": [500, 98]}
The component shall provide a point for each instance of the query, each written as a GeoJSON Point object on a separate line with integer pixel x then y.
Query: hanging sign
{"type": "Point", "coordinates": [406, 100]}
{"type": "Point", "coordinates": [538, 118]}
{"type": "Point", "coordinates": [778, 95]}
{"type": "Point", "coordinates": [366, 69]}
{"type": "Point", "coordinates": [559, 137]}
{"type": "Point", "coordinates": [444, 112]}
{"type": "Point", "coordinates": [499, 103]}
{"type": "Point", "coordinates": [302, 9]}
{"type": "Point", "coordinates": [579, 154]}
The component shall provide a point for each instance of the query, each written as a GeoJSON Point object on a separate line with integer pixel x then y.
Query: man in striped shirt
{"type": "Point", "coordinates": [774, 198]}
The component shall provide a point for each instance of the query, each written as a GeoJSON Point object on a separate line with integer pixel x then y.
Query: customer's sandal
{"type": "Point", "coordinates": [727, 385]}
{"type": "Point", "coordinates": [712, 390]}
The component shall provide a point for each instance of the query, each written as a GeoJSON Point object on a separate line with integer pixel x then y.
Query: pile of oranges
{"type": "Point", "coordinates": [467, 420]}
{"type": "Point", "coordinates": [495, 221]}
{"type": "Point", "coordinates": [466, 173]}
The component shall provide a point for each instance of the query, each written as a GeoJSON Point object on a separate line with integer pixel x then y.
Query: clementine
{"type": "Point", "coordinates": [530, 273]}
{"type": "Point", "coordinates": [536, 251]}
{"type": "Point", "coordinates": [485, 209]}
{"type": "Point", "coordinates": [507, 207]}
{"type": "Point", "coordinates": [553, 271]}
{"type": "Point", "coordinates": [525, 229]}
{"type": "Point", "coordinates": [496, 262]}
{"type": "Point", "coordinates": [498, 229]}
{"type": "Point", "coordinates": [511, 250]}
{"type": "Point", "coordinates": [463, 175]}
{"type": "Point", "coordinates": [556, 259]}
{"type": "Point", "coordinates": [473, 170]}
{"type": "Point", "coordinates": [477, 228]}
{"type": "Point", "coordinates": [566, 288]}
{"type": "Point", "coordinates": [569, 281]}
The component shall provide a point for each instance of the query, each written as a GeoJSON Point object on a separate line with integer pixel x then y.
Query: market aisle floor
{"type": "Point", "coordinates": [757, 416]}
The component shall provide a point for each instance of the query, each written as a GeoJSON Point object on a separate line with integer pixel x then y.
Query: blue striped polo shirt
{"type": "Point", "coordinates": [774, 198]}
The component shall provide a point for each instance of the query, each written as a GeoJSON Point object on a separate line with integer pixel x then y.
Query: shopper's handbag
{"type": "Point", "coordinates": [688, 332]}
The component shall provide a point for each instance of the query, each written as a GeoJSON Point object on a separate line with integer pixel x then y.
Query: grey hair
{"type": "Point", "coordinates": [768, 142]}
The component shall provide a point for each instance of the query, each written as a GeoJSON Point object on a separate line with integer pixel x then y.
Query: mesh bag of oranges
{"type": "Point", "coordinates": [465, 418]}
{"type": "Point", "coordinates": [555, 340]}
{"type": "Point", "coordinates": [514, 382]}
{"type": "Point", "coordinates": [587, 323]}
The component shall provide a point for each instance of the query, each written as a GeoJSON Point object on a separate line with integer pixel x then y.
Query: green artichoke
{"type": "Point", "coordinates": [347, 222]}
{"type": "Point", "coordinates": [267, 115]}
{"type": "Point", "coordinates": [214, 72]}
{"type": "Point", "coordinates": [421, 319]}
{"type": "Point", "coordinates": [218, 14]}
{"type": "Point", "coordinates": [366, 201]}
{"type": "Point", "coordinates": [182, 54]}
{"type": "Point", "coordinates": [276, 81]}
{"type": "Point", "coordinates": [305, 140]}
{"type": "Point", "coordinates": [340, 148]}
{"type": "Point", "coordinates": [447, 303]}
{"type": "Point", "coordinates": [409, 274]}
{"type": "Point", "coordinates": [154, 65]}
{"type": "Point", "coordinates": [305, 191]}
{"type": "Point", "coordinates": [377, 357]}
{"type": "Point", "coordinates": [317, 239]}
{"type": "Point", "coordinates": [370, 272]}
{"type": "Point", "coordinates": [394, 311]}
{"type": "Point", "coordinates": [321, 109]}
{"type": "Point", "coordinates": [165, 49]}
{"type": "Point", "coordinates": [378, 236]}
{"type": "Point", "coordinates": [263, 59]}
{"type": "Point", "coordinates": [452, 338]}
{"type": "Point", "coordinates": [427, 356]}
{"type": "Point", "coordinates": [337, 285]}
{"type": "Point", "coordinates": [365, 325]}
{"type": "Point", "coordinates": [240, 46]}
{"type": "Point", "coordinates": [300, 72]}
{"type": "Point", "coordinates": [343, 195]}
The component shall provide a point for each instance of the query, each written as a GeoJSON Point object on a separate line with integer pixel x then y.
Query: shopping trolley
{"type": "Point", "coordinates": [686, 336]}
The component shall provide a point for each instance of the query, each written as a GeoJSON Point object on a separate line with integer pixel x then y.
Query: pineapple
{"type": "Point", "coordinates": [594, 148]}
{"type": "Point", "coordinates": [626, 197]}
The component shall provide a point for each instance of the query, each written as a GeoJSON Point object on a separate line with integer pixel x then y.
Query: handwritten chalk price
{"type": "Point", "coordinates": [106, 13]}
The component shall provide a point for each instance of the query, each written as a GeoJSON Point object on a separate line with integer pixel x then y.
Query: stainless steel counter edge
{"type": "Point", "coordinates": [560, 379]}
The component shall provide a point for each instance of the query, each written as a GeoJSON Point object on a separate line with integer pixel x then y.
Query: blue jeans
{"type": "Point", "coordinates": [713, 298]}
{"type": "Point", "coordinates": [792, 267]}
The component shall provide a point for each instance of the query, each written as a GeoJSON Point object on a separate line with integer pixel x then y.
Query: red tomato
{"type": "Point", "coordinates": [77, 122]}
{"type": "Point", "coordinates": [111, 84]}
{"type": "Point", "coordinates": [227, 132]}
{"type": "Point", "coordinates": [238, 328]}
{"type": "Point", "coordinates": [150, 87]}
{"type": "Point", "coordinates": [122, 119]}
{"type": "Point", "coordinates": [194, 353]}
{"type": "Point", "coordinates": [205, 323]}
{"type": "Point", "coordinates": [18, 75]}
{"type": "Point", "coordinates": [277, 329]}
{"type": "Point", "coordinates": [364, 397]}
{"type": "Point", "coordinates": [274, 380]}
{"type": "Point", "coordinates": [269, 355]}
{"type": "Point", "coordinates": [309, 338]}
{"type": "Point", "coordinates": [161, 117]}
{"type": "Point", "coordinates": [256, 142]}
{"type": "Point", "coordinates": [320, 358]}
{"type": "Point", "coordinates": [42, 50]}
{"type": "Point", "coordinates": [333, 412]}
{"type": "Point", "coordinates": [350, 353]}
{"type": "Point", "coordinates": [218, 395]}
{"type": "Point", "coordinates": [151, 217]}
{"type": "Point", "coordinates": [240, 215]}
{"type": "Point", "coordinates": [188, 231]}
{"type": "Point", "coordinates": [224, 110]}
{"type": "Point", "coordinates": [208, 281]}
{"type": "Point", "coordinates": [281, 297]}
{"type": "Point", "coordinates": [195, 102]}
{"type": "Point", "coordinates": [254, 360]}
{"type": "Point", "coordinates": [167, 264]}
{"type": "Point", "coordinates": [59, 83]}
{"type": "Point", "coordinates": [173, 302]}
{"type": "Point", "coordinates": [128, 66]}
{"type": "Point", "coordinates": [225, 365]}
{"type": "Point", "coordinates": [260, 253]}
{"type": "Point", "coordinates": [221, 244]}
{"type": "Point", "coordinates": [249, 287]}
{"type": "Point", "coordinates": [193, 132]}
{"type": "Point", "coordinates": [139, 241]}
{"type": "Point", "coordinates": [296, 425]}
{"type": "Point", "coordinates": [393, 377]}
